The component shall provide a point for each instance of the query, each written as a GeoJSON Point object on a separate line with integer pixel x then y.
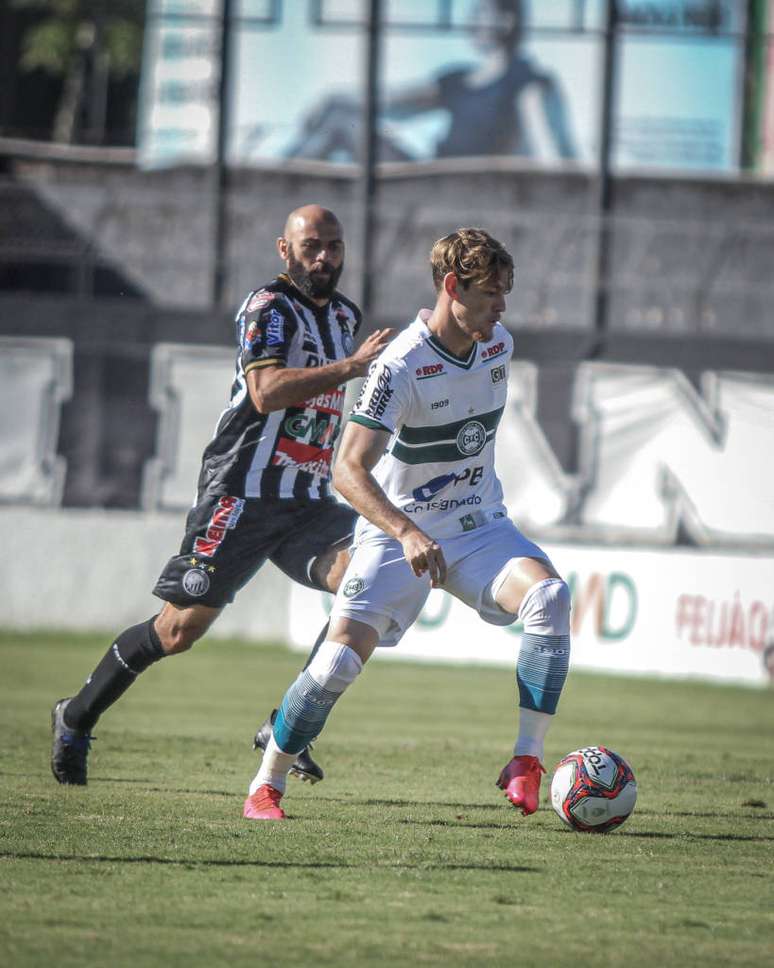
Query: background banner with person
{"type": "Point", "coordinates": [465, 78]}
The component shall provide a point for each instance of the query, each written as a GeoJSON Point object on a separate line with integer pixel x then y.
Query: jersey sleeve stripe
{"type": "Point", "coordinates": [368, 422]}
{"type": "Point", "coordinates": [271, 361]}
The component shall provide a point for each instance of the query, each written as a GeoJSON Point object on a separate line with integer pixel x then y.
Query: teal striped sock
{"type": "Point", "coordinates": [541, 670]}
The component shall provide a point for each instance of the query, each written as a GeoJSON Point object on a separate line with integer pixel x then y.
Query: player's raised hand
{"type": "Point", "coordinates": [370, 348]}
{"type": "Point", "coordinates": [424, 555]}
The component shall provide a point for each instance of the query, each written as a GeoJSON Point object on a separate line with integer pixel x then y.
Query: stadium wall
{"type": "Point", "coordinates": [689, 256]}
{"type": "Point", "coordinates": [93, 570]}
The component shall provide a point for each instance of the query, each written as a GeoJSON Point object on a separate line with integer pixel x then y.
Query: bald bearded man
{"type": "Point", "coordinates": [264, 485]}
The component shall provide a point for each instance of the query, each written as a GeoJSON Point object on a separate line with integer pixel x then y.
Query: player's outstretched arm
{"type": "Point", "coordinates": [277, 387]}
{"type": "Point", "coordinates": [361, 448]}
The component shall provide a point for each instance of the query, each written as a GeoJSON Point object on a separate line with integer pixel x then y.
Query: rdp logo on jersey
{"type": "Point", "coordinates": [491, 351]}
{"type": "Point", "coordinates": [471, 438]}
{"type": "Point", "coordinates": [434, 369]}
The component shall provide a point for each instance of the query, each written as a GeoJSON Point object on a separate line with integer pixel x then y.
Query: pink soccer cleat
{"type": "Point", "coordinates": [521, 781]}
{"type": "Point", "coordinates": [264, 804]}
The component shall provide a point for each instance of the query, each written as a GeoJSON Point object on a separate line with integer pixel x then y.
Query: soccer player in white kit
{"type": "Point", "coordinates": [417, 463]}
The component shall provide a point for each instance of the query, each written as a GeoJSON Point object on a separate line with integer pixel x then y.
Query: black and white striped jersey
{"type": "Point", "coordinates": [287, 453]}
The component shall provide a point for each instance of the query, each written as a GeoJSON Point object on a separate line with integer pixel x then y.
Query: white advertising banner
{"type": "Point", "coordinates": [669, 613]}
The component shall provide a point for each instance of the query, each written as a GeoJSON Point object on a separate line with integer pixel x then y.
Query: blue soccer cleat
{"type": "Point", "coordinates": [69, 748]}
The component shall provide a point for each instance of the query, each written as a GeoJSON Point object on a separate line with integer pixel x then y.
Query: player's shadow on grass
{"type": "Point", "coordinates": [148, 787]}
{"type": "Point", "coordinates": [383, 802]}
{"type": "Point", "coordinates": [193, 862]}
{"type": "Point", "coordinates": [460, 823]}
{"type": "Point", "coordinates": [498, 805]}
{"type": "Point", "coordinates": [714, 815]}
{"type": "Point", "coordinates": [657, 834]}
{"type": "Point", "coordinates": [688, 835]}
{"type": "Point", "coordinates": [346, 801]}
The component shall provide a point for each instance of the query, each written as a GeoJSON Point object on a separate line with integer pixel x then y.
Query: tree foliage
{"type": "Point", "coordinates": [67, 28]}
{"type": "Point", "coordinates": [86, 43]}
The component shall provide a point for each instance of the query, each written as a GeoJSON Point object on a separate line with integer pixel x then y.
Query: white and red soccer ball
{"type": "Point", "coordinates": [593, 790]}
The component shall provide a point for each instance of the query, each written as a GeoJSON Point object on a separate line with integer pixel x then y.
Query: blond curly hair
{"type": "Point", "coordinates": [473, 256]}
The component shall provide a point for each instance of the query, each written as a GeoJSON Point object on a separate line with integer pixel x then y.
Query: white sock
{"type": "Point", "coordinates": [274, 768]}
{"type": "Point", "coordinates": [533, 727]}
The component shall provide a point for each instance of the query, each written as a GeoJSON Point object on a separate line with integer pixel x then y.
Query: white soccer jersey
{"type": "Point", "coordinates": [442, 413]}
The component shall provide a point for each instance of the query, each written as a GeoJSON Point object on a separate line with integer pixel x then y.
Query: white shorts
{"type": "Point", "coordinates": [380, 589]}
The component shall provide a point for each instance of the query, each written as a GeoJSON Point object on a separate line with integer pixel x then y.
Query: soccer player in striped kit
{"type": "Point", "coordinates": [264, 487]}
{"type": "Point", "coordinates": [417, 461]}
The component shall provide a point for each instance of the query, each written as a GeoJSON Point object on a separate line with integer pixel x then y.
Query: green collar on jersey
{"type": "Point", "coordinates": [447, 355]}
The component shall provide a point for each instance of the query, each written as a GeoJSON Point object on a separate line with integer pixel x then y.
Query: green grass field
{"type": "Point", "coordinates": [406, 854]}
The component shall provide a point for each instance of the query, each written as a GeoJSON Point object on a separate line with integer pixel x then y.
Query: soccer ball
{"type": "Point", "coordinates": [593, 790]}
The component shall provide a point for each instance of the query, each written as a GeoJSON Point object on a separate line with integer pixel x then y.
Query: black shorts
{"type": "Point", "coordinates": [227, 539]}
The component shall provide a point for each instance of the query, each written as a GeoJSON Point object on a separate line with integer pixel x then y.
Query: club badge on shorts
{"type": "Point", "coordinates": [196, 583]}
{"type": "Point", "coordinates": [353, 586]}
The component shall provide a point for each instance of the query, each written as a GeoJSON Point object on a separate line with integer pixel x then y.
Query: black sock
{"type": "Point", "coordinates": [318, 642]}
{"type": "Point", "coordinates": [131, 653]}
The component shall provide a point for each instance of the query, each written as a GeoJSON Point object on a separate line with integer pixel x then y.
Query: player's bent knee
{"type": "Point", "coordinates": [364, 633]}
{"type": "Point", "coordinates": [545, 609]}
{"type": "Point", "coordinates": [512, 583]}
{"type": "Point", "coordinates": [179, 629]}
{"type": "Point", "coordinates": [176, 640]}
{"type": "Point", "coordinates": [335, 666]}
